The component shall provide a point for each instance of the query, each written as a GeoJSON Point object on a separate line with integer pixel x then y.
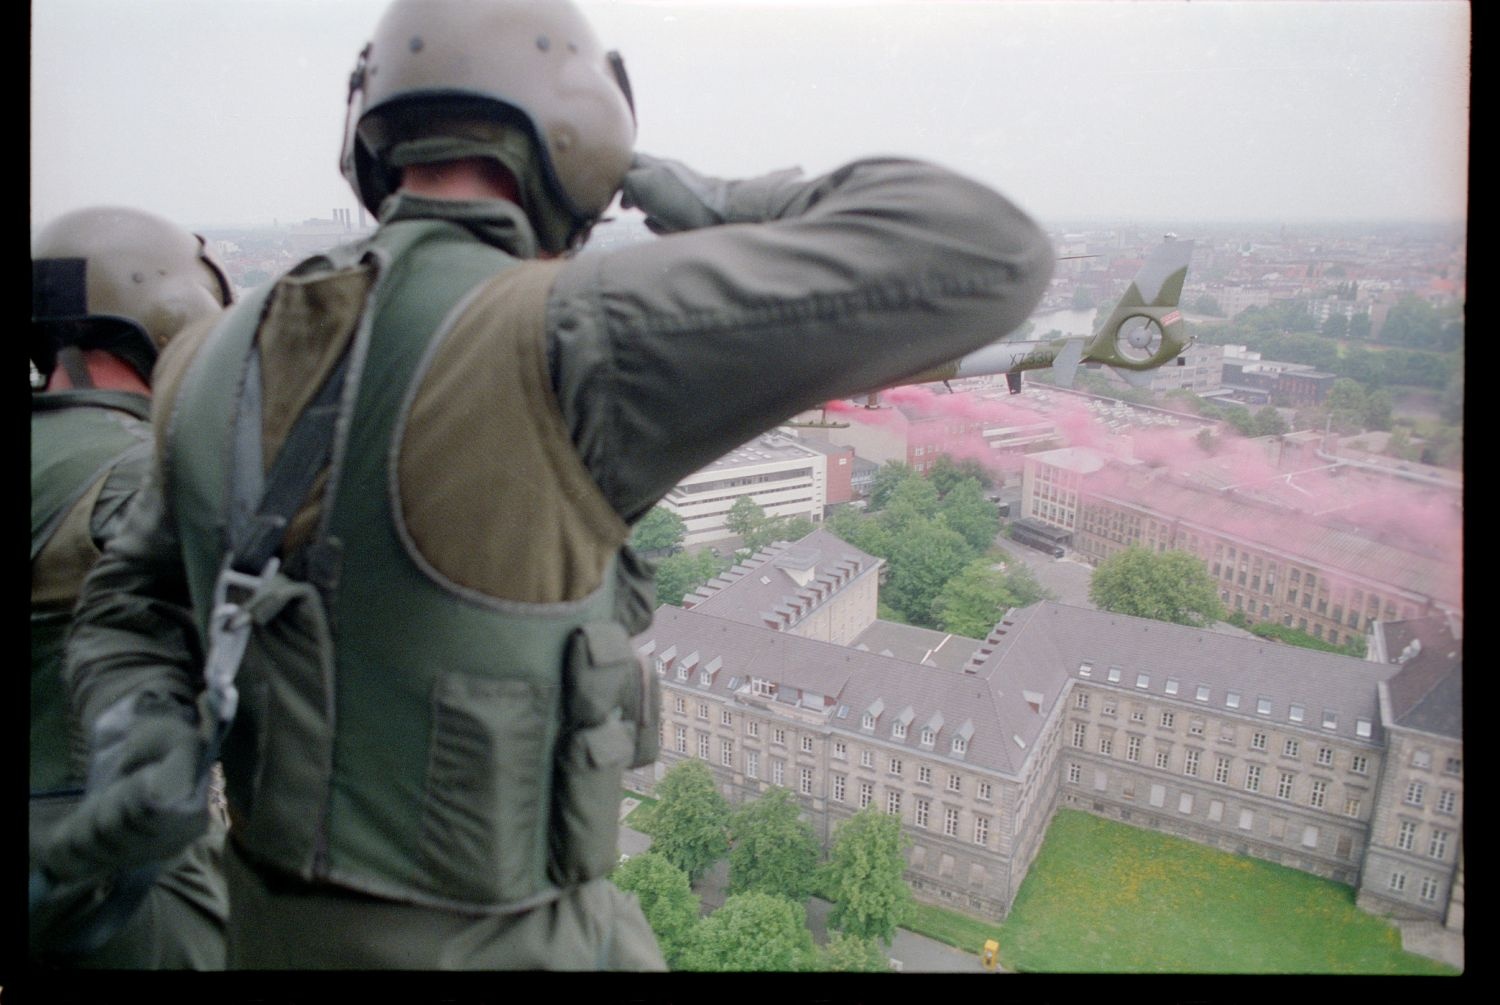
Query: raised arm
{"type": "Point", "coordinates": [770, 296]}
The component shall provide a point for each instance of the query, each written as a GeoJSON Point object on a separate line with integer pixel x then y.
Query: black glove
{"type": "Point", "coordinates": [146, 799]}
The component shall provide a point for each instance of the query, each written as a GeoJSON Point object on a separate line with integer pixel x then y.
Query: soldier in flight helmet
{"type": "Point", "coordinates": [545, 101]}
{"type": "Point", "coordinates": [111, 286]}
{"type": "Point", "coordinates": [427, 642]}
{"type": "Point", "coordinates": [120, 280]}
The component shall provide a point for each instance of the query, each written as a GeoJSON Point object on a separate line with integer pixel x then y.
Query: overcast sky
{"type": "Point", "coordinates": [217, 112]}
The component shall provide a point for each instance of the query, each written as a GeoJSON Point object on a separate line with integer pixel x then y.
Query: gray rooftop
{"type": "Point", "coordinates": [787, 576]}
{"type": "Point", "coordinates": [1016, 676]}
{"type": "Point", "coordinates": [1426, 690]}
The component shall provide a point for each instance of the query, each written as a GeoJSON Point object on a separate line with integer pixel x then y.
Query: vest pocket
{"type": "Point", "coordinates": [278, 755]}
{"type": "Point", "coordinates": [602, 702]}
{"type": "Point", "coordinates": [484, 808]}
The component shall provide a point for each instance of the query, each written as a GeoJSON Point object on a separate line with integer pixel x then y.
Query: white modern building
{"type": "Point", "coordinates": [782, 476]}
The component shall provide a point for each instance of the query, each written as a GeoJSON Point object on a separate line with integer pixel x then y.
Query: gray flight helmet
{"type": "Point", "coordinates": [536, 59]}
{"type": "Point", "coordinates": [119, 279]}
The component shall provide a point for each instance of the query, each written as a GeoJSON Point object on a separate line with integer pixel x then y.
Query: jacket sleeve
{"type": "Point", "coordinates": [133, 631]}
{"type": "Point", "coordinates": [792, 292]}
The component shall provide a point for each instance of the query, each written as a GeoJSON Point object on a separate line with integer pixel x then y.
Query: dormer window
{"type": "Point", "coordinates": [868, 722]}
{"type": "Point", "coordinates": [928, 737]}
{"type": "Point", "coordinates": [1114, 675]}
{"type": "Point", "coordinates": [1232, 700]}
{"type": "Point", "coordinates": [898, 730]}
{"type": "Point", "coordinates": [1330, 719]}
{"type": "Point", "coordinates": [1171, 685]}
{"type": "Point", "coordinates": [960, 745]}
{"type": "Point", "coordinates": [1085, 669]}
{"type": "Point", "coordinates": [1202, 694]}
{"type": "Point", "coordinates": [1142, 680]}
{"type": "Point", "coordinates": [1362, 728]}
{"type": "Point", "coordinates": [1263, 706]}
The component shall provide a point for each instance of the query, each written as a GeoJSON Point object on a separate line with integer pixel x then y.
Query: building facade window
{"type": "Point", "coordinates": [1325, 757]}
{"type": "Point", "coordinates": [895, 766]}
{"type": "Point", "coordinates": [778, 736]}
{"type": "Point", "coordinates": [778, 771]}
{"type": "Point", "coordinates": [726, 718]}
{"type": "Point", "coordinates": [866, 791]}
{"type": "Point", "coordinates": [1075, 774]}
{"type": "Point", "coordinates": [1406, 837]}
{"type": "Point", "coordinates": [1397, 882]}
{"type": "Point", "coordinates": [1190, 762]}
{"type": "Point", "coordinates": [893, 803]}
{"type": "Point", "coordinates": [1359, 764]}
{"type": "Point", "coordinates": [1284, 785]}
{"type": "Point", "coordinates": [981, 830]}
{"type": "Point", "coordinates": [867, 759]}
{"type": "Point", "coordinates": [726, 753]}
{"type": "Point", "coordinates": [1429, 889]}
{"type": "Point", "coordinates": [752, 728]}
{"type": "Point", "coordinates": [1318, 794]}
{"type": "Point", "coordinates": [950, 822]}
{"type": "Point", "coordinates": [1257, 740]}
{"type": "Point", "coordinates": [919, 815]}
{"type": "Point", "coordinates": [1437, 846]}
{"type": "Point", "coordinates": [805, 783]}
{"type": "Point", "coordinates": [681, 739]}
{"type": "Point", "coordinates": [1080, 732]}
{"type": "Point", "coordinates": [1081, 701]}
{"type": "Point", "coordinates": [1221, 770]}
{"type": "Point", "coordinates": [1167, 718]}
{"type": "Point", "coordinates": [1133, 749]}
{"type": "Point", "coordinates": [1252, 778]}
{"type": "Point", "coordinates": [924, 774]}
{"type": "Point", "coordinates": [752, 763]}
{"type": "Point", "coordinates": [955, 783]}
{"type": "Point", "coordinates": [1290, 748]}
{"type": "Point", "coordinates": [1414, 791]}
{"type": "Point", "coordinates": [838, 788]}
{"type": "Point", "coordinates": [703, 710]}
{"type": "Point", "coordinates": [703, 746]}
{"type": "Point", "coordinates": [807, 744]}
{"type": "Point", "coordinates": [1163, 758]}
{"type": "Point", "coordinates": [1447, 801]}
{"type": "Point", "coordinates": [1352, 807]}
{"type": "Point", "coordinates": [1106, 743]}
{"type": "Point", "coordinates": [679, 705]}
{"type": "Point", "coordinates": [983, 791]}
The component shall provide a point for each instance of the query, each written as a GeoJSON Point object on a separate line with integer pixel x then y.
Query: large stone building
{"type": "Point", "coordinates": [1287, 754]}
{"type": "Point", "coordinates": [1272, 562]}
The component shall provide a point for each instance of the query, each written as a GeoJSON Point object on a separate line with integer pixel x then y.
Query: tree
{"type": "Point", "coordinates": [1240, 418]}
{"type": "Point", "coordinates": [946, 473]}
{"type": "Point", "coordinates": [778, 528]}
{"type": "Point", "coordinates": [660, 531]}
{"type": "Point", "coordinates": [864, 876]}
{"type": "Point", "coordinates": [689, 824]}
{"type": "Point", "coordinates": [1207, 304]}
{"type": "Point", "coordinates": [744, 517]}
{"type": "Point", "coordinates": [753, 932]}
{"type": "Point", "coordinates": [846, 953]}
{"type": "Point", "coordinates": [971, 602]}
{"type": "Point", "coordinates": [887, 477]}
{"type": "Point", "coordinates": [1268, 422]}
{"type": "Point", "coordinates": [1167, 586]}
{"type": "Point", "coordinates": [678, 575]}
{"type": "Point", "coordinates": [924, 556]}
{"type": "Point", "coordinates": [667, 900]}
{"type": "Point", "coordinates": [1336, 326]}
{"type": "Point", "coordinates": [965, 509]}
{"type": "Point", "coordinates": [774, 850]}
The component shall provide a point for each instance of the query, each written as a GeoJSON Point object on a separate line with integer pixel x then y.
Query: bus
{"type": "Point", "coordinates": [1043, 537]}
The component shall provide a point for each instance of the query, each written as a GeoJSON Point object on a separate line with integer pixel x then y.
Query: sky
{"type": "Point", "coordinates": [230, 112]}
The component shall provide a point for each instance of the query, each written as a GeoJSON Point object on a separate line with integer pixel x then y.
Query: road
{"type": "Point", "coordinates": [1067, 578]}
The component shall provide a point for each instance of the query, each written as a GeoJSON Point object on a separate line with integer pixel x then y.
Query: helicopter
{"type": "Point", "coordinates": [1145, 330]}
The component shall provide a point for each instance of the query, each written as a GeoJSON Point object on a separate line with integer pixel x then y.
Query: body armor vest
{"type": "Point", "coordinates": [401, 732]}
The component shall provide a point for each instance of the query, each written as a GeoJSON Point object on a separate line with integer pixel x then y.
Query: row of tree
{"type": "Point", "coordinates": [773, 868]}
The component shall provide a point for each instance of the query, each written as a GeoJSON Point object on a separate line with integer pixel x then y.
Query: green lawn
{"type": "Point", "coordinates": [1104, 897]}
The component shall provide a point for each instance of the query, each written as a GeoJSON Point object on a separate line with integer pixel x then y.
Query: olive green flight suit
{"type": "Point", "coordinates": [442, 758]}
{"type": "Point", "coordinates": [90, 452]}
